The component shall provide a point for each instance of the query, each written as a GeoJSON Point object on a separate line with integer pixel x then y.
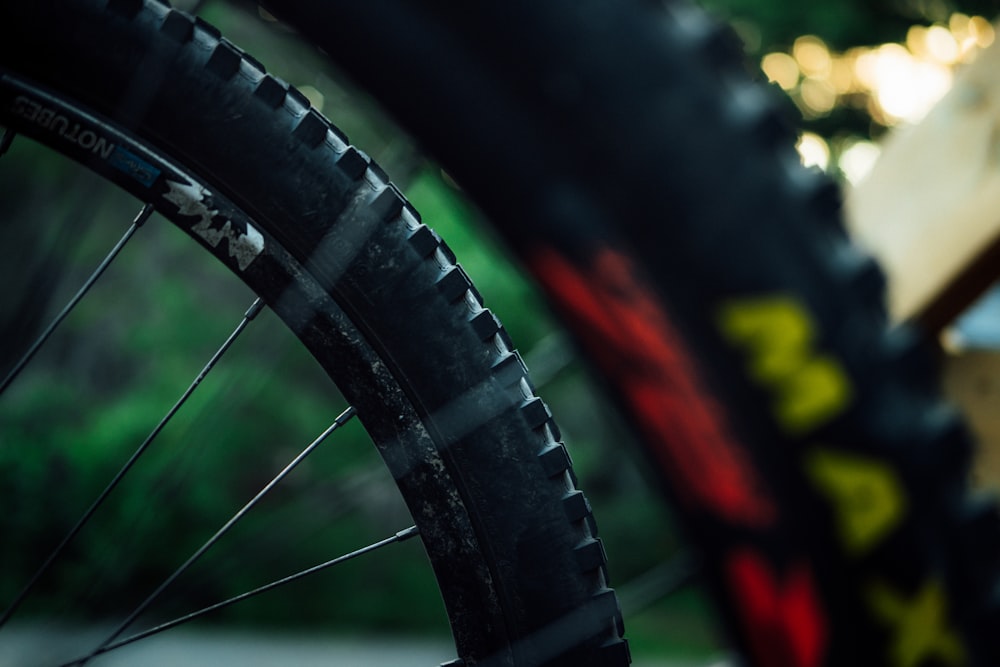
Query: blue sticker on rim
{"type": "Point", "coordinates": [133, 165]}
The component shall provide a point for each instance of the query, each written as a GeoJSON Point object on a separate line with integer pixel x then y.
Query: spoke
{"type": "Point", "coordinates": [342, 419]}
{"type": "Point", "coordinates": [660, 582]}
{"type": "Point", "coordinates": [139, 220]}
{"type": "Point", "coordinates": [57, 552]}
{"type": "Point", "coordinates": [401, 536]}
{"type": "Point", "coordinates": [6, 139]}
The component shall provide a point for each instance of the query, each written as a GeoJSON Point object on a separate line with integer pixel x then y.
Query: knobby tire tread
{"type": "Point", "coordinates": [512, 540]}
{"type": "Point", "coordinates": [624, 151]}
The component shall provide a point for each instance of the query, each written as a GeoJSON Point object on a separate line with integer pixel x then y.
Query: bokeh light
{"type": "Point", "coordinates": [894, 83]}
{"type": "Point", "coordinates": [814, 150]}
{"type": "Point", "coordinates": [857, 159]}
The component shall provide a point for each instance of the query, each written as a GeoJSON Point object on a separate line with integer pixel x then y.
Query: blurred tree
{"type": "Point", "coordinates": [841, 23]}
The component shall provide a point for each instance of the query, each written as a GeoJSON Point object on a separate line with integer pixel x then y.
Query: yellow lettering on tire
{"type": "Point", "coordinates": [919, 626]}
{"type": "Point", "coordinates": [808, 388]}
{"type": "Point", "coordinates": [868, 500]}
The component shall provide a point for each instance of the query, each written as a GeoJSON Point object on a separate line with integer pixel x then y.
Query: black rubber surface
{"type": "Point", "coordinates": [654, 191]}
{"type": "Point", "coordinates": [238, 159]}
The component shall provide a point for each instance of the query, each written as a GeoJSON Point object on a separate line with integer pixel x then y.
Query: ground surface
{"type": "Point", "coordinates": [33, 646]}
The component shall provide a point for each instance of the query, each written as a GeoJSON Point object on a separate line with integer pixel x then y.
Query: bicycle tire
{"type": "Point", "coordinates": [155, 101]}
{"type": "Point", "coordinates": [653, 190]}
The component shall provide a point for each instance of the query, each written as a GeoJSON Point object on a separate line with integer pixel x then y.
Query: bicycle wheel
{"type": "Point", "coordinates": [159, 104]}
{"type": "Point", "coordinates": [654, 192]}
